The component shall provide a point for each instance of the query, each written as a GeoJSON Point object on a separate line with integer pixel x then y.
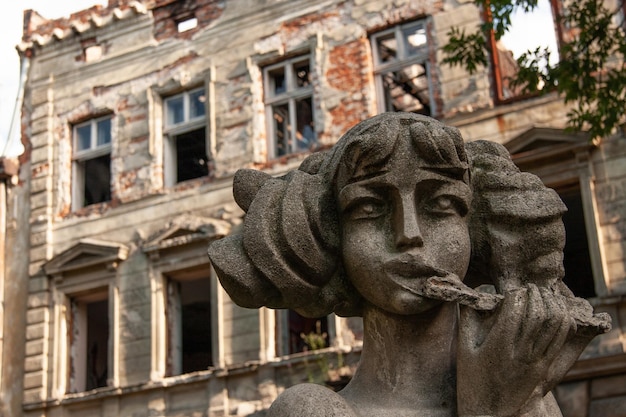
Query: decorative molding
{"type": "Point", "coordinates": [541, 143]}
{"type": "Point", "coordinates": [184, 230]}
{"type": "Point", "coordinates": [86, 253]}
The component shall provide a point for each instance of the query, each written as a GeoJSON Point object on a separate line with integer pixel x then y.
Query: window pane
{"type": "Point", "coordinates": [97, 176]}
{"type": "Point", "coordinates": [387, 48]}
{"type": "Point", "coordinates": [97, 344]}
{"type": "Point", "coordinates": [278, 82]}
{"type": "Point", "coordinates": [305, 132]}
{"type": "Point", "coordinates": [282, 136]}
{"type": "Point", "coordinates": [191, 155]}
{"type": "Point", "coordinates": [302, 73]}
{"type": "Point", "coordinates": [83, 137]}
{"type": "Point", "coordinates": [407, 90]}
{"type": "Point", "coordinates": [104, 132]}
{"type": "Point", "coordinates": [196, 104]}
{"type": "Point", "coordinates": [175, 110]}
{"type": "Point", "coordinates": [576, 259]}
{"type": "Point", "coordinates": [195, 304]}
{"type": "Point", "coordinates": [414, 38]}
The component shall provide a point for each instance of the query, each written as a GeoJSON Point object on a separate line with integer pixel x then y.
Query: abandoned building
{"type": "Point", "coordinates": [136, 116]}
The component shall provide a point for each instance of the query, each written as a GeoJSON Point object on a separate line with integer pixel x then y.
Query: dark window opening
{"type": "Point", "coordinates": [97, 344]}
{"type": "Point", "coordinates": [191, 155]}
{"type": "Point", "coordinates": [97, 178]}
{"type": "Point", "coordinates": [305, 130]}
{"type": "Point", "coordinates": [189, 321]}
{"type": "Point", "coordinates": [306, 139]}
{"type": "Point", "coordinates": [280, 113]}
{"type": "Point", "coordinates": [400, 54]}
{"type": "Point", "coordinates": [289, 99]}
{"type": "Point", "coordinates": [577, 261]}
{"type": "Point", "coordinates": [89, 342]}
{"type": "Point", "coordinates": [306, 333]}
{"type": "Point", "coordinates": [407, 90]}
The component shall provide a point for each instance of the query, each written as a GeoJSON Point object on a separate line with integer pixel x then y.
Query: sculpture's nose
{"type": "Point", "coordinates": [406, 225]}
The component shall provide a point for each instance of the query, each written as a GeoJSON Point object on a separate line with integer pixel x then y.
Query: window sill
{"type": "Point", "coordinates": [184, 379]}
{"type": "Point", "coordinates": [298, 357]}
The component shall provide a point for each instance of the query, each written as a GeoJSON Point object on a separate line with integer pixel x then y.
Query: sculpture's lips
{"type": "Point", "coordinates": [419, 278]}
{"type": "Point", "coordinates": [412, 267]}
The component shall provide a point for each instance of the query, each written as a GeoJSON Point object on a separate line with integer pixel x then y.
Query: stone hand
{"type": "Point", "coordinates": [506, 359]}
{"type": "Point", "coordinates": [588, 325]}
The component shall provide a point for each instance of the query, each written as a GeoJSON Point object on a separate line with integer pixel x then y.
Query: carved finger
{"type": "Point", "coordinates": [508, 317]}
{"type": "Point", "coordinates": [532, 322]}
{"type": "Point", "coordinates": [473, 330]}
{"type": "Point", "coordinates": [556, 321]}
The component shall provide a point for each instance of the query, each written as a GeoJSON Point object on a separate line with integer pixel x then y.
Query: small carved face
{"type": "Point", "coordinates": [401, 226]}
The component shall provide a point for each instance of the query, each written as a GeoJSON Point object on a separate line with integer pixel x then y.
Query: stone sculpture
{"type": "Point", "coordinates": [452, 256]}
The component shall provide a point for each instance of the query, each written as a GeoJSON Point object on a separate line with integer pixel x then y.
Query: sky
{"type": "Point", "coordinates": [530, 30]}
{"type": "Point", "coordinates": [11, 20]}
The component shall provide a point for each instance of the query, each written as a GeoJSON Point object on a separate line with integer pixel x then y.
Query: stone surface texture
{"type": "Point", "coordinates": [124, 60]}
{"type": "Point", "coordinates": [386, 225]}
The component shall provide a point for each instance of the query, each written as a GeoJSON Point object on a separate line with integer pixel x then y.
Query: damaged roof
{"type": "Point", "coordinates": [39, 31]}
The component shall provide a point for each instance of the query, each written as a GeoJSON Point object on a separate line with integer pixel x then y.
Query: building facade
{"type": "Point", "coordinates": [136, 116]}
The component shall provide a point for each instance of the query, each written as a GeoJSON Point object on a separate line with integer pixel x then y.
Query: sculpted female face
{"type": "Point", "coordinates": [400, 226]}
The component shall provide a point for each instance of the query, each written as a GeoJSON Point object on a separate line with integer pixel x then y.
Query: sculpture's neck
{"type": "Point", "coordinates": [408, 362]}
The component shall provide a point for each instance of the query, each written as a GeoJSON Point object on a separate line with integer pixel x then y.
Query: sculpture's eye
{"type": "Point", "coordinates": [366, 208]}
{"type": "Point", "coordinates": [447, 205]}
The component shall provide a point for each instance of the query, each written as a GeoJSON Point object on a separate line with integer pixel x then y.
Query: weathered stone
{"type": "Point", "coordinates": [381, 226]}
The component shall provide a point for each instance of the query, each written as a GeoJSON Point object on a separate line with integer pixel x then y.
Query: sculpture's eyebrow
{"type": "Point", "coordinates": [365, 188]}
{"type": "Point", "coordinates": [365, 175]}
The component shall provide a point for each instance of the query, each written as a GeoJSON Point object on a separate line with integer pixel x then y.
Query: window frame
{"type": "Point", "coordinates": [87, 269]}
{"type": "Point", "coordinates": [80, 157]}
{"type": "Point", "coordinates": [174, 349]}
{"type": "Point", "coordinates": [421, 57]}
{"type": "Point", "coordinates": [172, 131]}
{"type": "Point", "coordinates": [77, 350]}
{"type": "Point", "coordinates": [175, 251]}
{"type": "Point", "coordinates": [494, 59]}
{"type": "Point", "coordinates": [289, 97]}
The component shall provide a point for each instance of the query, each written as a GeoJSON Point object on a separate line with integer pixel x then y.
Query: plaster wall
{"type": "Point", "coordinates": [143, 58]}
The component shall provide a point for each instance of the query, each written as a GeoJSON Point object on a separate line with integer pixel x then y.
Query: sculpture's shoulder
{"type": "Point", "coordinates": [310, 400]}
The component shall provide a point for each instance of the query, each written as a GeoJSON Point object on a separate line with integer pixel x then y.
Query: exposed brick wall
{"type": "Point", "coordinates": [168, 14]}
{"type": "Point", "coordinates": [348, 72]}
{"type": "Point", "coordinates": [295, 25]}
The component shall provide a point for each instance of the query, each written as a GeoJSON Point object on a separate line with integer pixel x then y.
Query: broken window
{"type": "Point", "coordinates": [289, 104]}
{"type": "Point", "coordinates": [401, 68]}
{"type": "Point", "coordinates": [188, 312]}
{"type": "Point", "coordinates": [186, 146]}
{"type": "Point", "coordinates": [576, 258]}
{"type": "Point", "coordinates": [528, 31]}
{"type": "Point", "coordinates": [88, 331]}
{"type": "Point", "coordinates": [297, 333]}
{"type": "Point", "coordinates": [92, 162]}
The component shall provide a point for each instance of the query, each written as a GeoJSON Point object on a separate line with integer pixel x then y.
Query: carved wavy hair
{"type": "Point", "coordinates": [516, 202]}
{"type": "Point", "coordinates": [288, 254]}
